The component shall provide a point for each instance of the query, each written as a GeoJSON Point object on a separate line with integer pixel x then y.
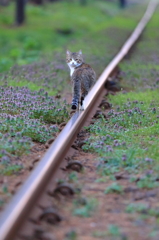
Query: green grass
{"type": "Point", "coordinates": [99, 29]}
{"type": "Point", "coordinates": [113, 232]}
{"type": "Point", "coordinates": [41, 32]}
{"type": "Point", "coordinates": [142, 70]}
{"type": "Point", "coordinates": [30, 85]}
{"type": "Point", "coordinates": [41, 36]}
{"type": "Point", "coordinates": [85, 208]}
{"type": "Point", "coordinates": [143, 209]}
{"type": "Point", "coordinates": [114, 188]}
{"type": "Point", "coordinates": [10, 170]}
{"type": "Point", "coordinates": [26, 117]}
{"type": "Point", "coordinates": [129, 137]}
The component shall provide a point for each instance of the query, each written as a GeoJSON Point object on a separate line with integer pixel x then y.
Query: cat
{"type": "Point", "coordinates": [83, 78]}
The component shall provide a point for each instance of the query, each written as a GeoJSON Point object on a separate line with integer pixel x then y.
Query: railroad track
{"type": "Point", "coordinates": [18, 210]}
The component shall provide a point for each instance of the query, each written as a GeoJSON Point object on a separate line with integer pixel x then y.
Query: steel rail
{"type": "Point", "coordinates": [21, 204]}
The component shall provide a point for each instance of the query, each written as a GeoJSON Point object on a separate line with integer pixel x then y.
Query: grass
{"type": "Point", "coordinates": [71, 235]}
{"type": "Point", "coordinates": [45, 27]}
{"type": "Point", "coordinates": [26, 117]}
{"type": "Point", "coordinates": [73, 177]}
{"type": "Point", "coordinates": [144, 209]}
{"type": "Point", "coordinates": [136, 207]}
{"type": "Point", "coordinates": [128, 138]}
{"type": "Point", "coordinates": [114, 188]}
{"type": "Point", "coordinates": [142, 71]}
{"type": "Point", "coordinates": [113, 232]}
{"type": "Point", "coordinates": [10, 170]}
{"type": "Point", "coordinates": [85, 208]}
{"type": "Point", "coordinates": [57, 16]}
{"type": "Point", "coordinates": [41, 42]}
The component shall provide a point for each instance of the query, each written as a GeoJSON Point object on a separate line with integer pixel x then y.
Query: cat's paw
{"type": "Point", "coordinates": [82, 108]}
{"type": "Point", "coordinates": [74, 107]}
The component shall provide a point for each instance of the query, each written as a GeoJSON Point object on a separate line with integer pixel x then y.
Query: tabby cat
{"type": "Point", "coordinates": [83, 78]}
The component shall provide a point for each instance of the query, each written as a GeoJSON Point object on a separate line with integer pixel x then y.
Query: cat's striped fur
{"type": "Point", "coordinates": [83, 78]}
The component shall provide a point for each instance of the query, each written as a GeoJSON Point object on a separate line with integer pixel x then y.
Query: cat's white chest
{"type": "Point", "coordinates": [72, 69]}
{"type": "Point", "coordinates": [72, 65]}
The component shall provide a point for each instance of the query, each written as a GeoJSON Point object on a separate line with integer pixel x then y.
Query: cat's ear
{"type": "Point", "coordinates": [80, 52]}
{"type": "Point", "coordinates": [68, 52]}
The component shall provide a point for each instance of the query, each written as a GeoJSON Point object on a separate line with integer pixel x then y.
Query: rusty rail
{"type": "Point", "coordinates": [21, 204]}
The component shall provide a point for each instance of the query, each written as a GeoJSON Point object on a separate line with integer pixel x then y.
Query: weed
{"type": "Point", "coordinates": [113, 230]}
{"type": "Point", "coordinates": [154, 212]}
{"type": "Point", "coordinates": [136, 207]}
{"type": "Point", "coordinates": [87, 210]}
{"type": "Point", "coordinates": [147, 182]}
{"type": "Point", "coordinates": [100, 234]}
{"type": "Point", "coordinates": [5, 189]}
{"type": "Point", "coordinates": [1, 203]}
{"type": "Point", "coordinates": [72, 235]}
{"type": "Point", "coordinates": [154, 233]}
{"type": "Point", "coordinates": [103, 179]}
{"type": "Point", "coordinates": [17, 145]}
{"type": "Point", "coordinates": [114, 188]}
{"type": "Point", "coordinates": [60, 181]}
{"type": "Point", "coordinates": [143, 209]}
{"type": "Point", "coordinates": [73, 177]}
{"type": "Point", "coordinates": [11, 169]}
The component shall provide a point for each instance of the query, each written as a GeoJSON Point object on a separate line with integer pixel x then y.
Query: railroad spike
{"type": "Point", "coordinates": [75, 165]}
{"type": "Point", "coordinates": [64, 189]}
{"type": "Point", "coordinates": [50, 215]}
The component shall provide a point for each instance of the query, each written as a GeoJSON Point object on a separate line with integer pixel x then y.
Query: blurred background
{"type": "Point", "coordinates": [34, 36]}
{"type": "Point", "coordinates": [29, 27]}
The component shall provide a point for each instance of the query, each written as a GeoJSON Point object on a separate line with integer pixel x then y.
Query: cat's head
{"type": "Point", "coordinates": [74, 59]}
